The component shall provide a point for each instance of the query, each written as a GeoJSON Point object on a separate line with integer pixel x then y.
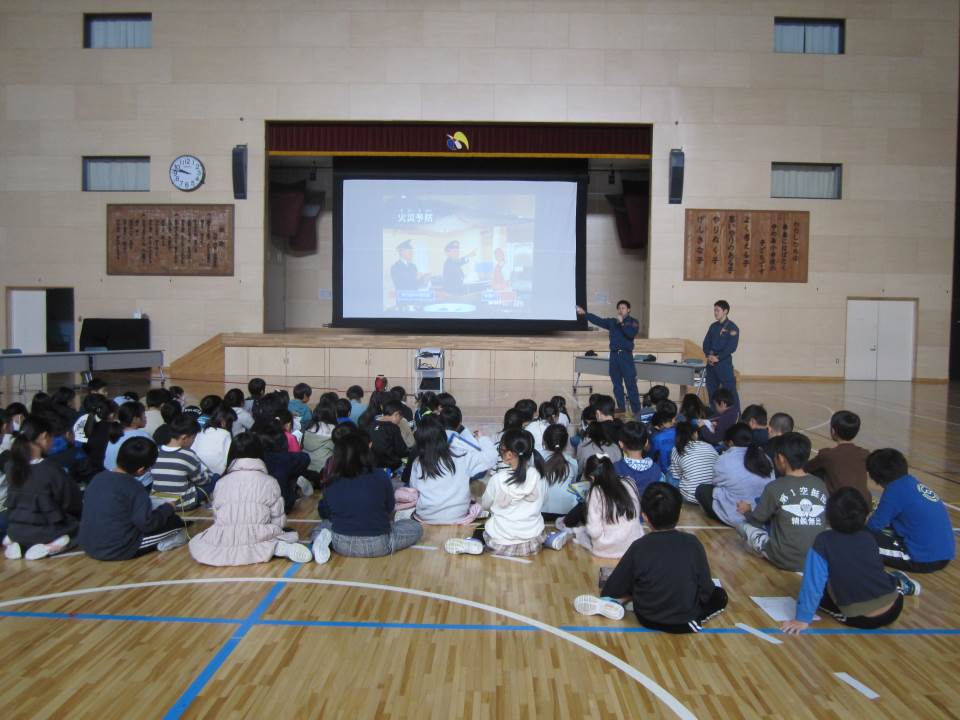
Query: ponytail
{"type": "Point", "coordinates": [555, 468]}
{"type": "Point", "coordinates": [20, 452]}
{"type": "Point", "coordinates": [686, 434]}
{"type": "Point", "coordinates": [756, 461]}
{"type": "Point", "coordinates": [614, 492]}
{"type": "Point", "coordinates": [127, 413]}
{"type": "Point", "coordinates": [520, 443]}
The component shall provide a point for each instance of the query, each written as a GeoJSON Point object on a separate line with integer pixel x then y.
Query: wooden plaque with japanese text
{"type": "Point", "coordinates": [746, 245]}
{"type": "Point", "coordinates": [169, 239]}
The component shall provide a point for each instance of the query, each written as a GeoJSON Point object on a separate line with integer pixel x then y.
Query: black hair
{"type": "Point", "coordinates": [623, 302]}
{"type": "Point", "coordinates": [282, 396]}
{"type": "Point", "coordinates": [605, 404]}
{"type": "Point", "coordinates": [723, 395]}
{"type": "Point", "coordinates": [588, 415]}
{"type": "Point", "coordinates": [723, 305]}
{"type": "Point", "coordinates": [560, 403]}
{"type": "Point", "coordinates": [513, 420]}
{"type": "Point", "coordinates": [182, 425]}
{"type": "Point", "coordinates": [547, 412]}
{"type": "Point", "coordinates": [126, 414]}
{"type": "Point", "coordinates": [245, 445]}
{"type": "Point", "coordinates": [283, 416]}
{"type": "Point", "coordinates": [527, 407]}
{"type": "Point", "coordinates": [634, 436]}
{"type": "Point", "coordinates": [41, 401]}
{"type": "Point", "coordinates": [692, 407]}
{"type": "Point", "coordinates": [661, 503]}
{"type": "Point", "coordinates": [256, 387]}
{"type": "Point", "coordinates": [886, 465]}
{"type": "Point", "coordinates": [157, 397]}
{"type": "Point", "coordinates": [757, 413]}
{"type": "Point", "coordinates": [433, 447]}
{"type": "Point", "coordinates": [795, 449]}
{"type": "Point", "coordinates": [616, 493]}
{"type": "Point", "coordinates": [223, 417]}
{"type": "Point", "coordinates": [233, 398]}
{"type": "Point", "coordinates": [96, 385]}
{"type": "Point", "coordinates": [301, 391]}
{"type": "Point", "coordinates": [520, 443]}
{"type": "Point", "coordinates": [847, 510]}
{"type": "Point", "coordinates": [343, 408]}
{"type": "Point", "coordinates": [399, 392]}
{"type": "Point", "coordinates": [354, 392]}
{"type": "Point", "coordinates": [63, 396]}
{"type": "Point", "coordinates": [604, 433]}
{"type": "Point", "coordinates": [657, 394]}
{"type": "Point", "coordinates": [391, 407]}
{"type": "Point", "coordinates": [170, 410]}
{"type": "Point", "coordinates": [374, 407]}
{"type": "Point", "coordinates": [177, 392]}
{"type": "Point", "coordinates": [325, 413]}
{"type": "Point", "coordinates": [136, 453]}
{"type": "Point", "coordinates": [845, 424]}
{"type": "Point", "coordinates": [781, 422]}
{"type": "Point", "coordinates": [446, 399]}
{"type": "Point", "coordinates": [427, 401]}
{"type": "Point", "coordinates": [16, 408]}
{"type": "Point", "coordinates": [687, 432]}
{"type": "Point", "coordinates": [555, 467]}
{"type": "Point", "coordinates": [271, 435]}
{"type": "Point", "coordinates": [755, 460]}
{"type": "Point", "coordinates": [20, 455]}
{"type": "Point", "coordinates": [352, 456]}
{"type": "Point", "coordinates": [209, 404]}
{"type": "Point", "coordinates": [131, 395]}
{"type": "Point", "coordinates": [99, 409]}
{"type": "Point", "coordinates": [451, 417]}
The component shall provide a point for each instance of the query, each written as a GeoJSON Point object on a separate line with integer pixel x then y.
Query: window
{"type": "Point", "coordinates": [118, 174]}
{"type": "Point", "coordinates": [797, 35]}
{"type": "Point", "coordinates": [129, 30]}
{"type": "Point", "coordinates": [806, 180]}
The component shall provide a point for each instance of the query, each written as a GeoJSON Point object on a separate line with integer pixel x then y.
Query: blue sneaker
{"type": "Point", "coordinates": [556, 540]}
{"type": "Point", "coordinates": [908, 586]}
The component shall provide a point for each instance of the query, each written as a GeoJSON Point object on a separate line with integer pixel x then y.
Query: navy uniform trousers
{"type": "Point", "coordinates": [624, 372]}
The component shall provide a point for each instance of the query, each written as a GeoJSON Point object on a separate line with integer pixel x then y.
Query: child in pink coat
{"type": "Point", "coordinates": [612, 511]}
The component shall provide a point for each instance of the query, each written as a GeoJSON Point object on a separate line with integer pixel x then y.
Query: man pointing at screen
{"type": "Point", "coordinates": [623, 329]}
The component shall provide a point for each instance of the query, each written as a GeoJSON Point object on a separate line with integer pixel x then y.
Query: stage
{"type": "Point", "coordinates": [332, 352]}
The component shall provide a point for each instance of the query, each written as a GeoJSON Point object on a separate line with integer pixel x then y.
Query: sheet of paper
{"type": "Point", "coordinates": [780, 609]}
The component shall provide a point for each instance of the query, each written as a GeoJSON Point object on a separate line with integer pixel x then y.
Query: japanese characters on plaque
{"type": "Point", "coordinates": [746, 245]}
{"type": "Point", "coordinates": [170, 239]}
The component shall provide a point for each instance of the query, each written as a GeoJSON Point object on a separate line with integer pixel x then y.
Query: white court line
{"type": "Point", "coordinates": [198, 518]}
{"type": "Point", "coordinates": [704, 527]}
{"type": "Point", "coordinates": [649, 683]}
{"type": "Point", "coordinates": [69, 554]}
{"type": "Point", "coordinates": [756, 633]}
{"type": "Point", "coordinates": [856, 685]}
{"type": "Point", "coordinates": [424, 547]}
{"type": "Point", "coordinates": [512, 559]}
{"type": "Point", "coordinates": [809, 402]}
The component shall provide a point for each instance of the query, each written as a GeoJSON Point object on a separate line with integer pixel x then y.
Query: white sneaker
{"type": "Point", "coordinates": [174, 541]}
{"type": "Point", "coordinates": [12, 550]}
{"type": "Point", "coordinates": [593, 605]}
{"type": "Point", "coordinates": [305, 487]}
{"type": "Point", "coordinates": [42, 550]}
{"type": "Point", "coordinates": [321, 546]}
{"type": "Point", "coordinates": [456, 546]}
{"type": "Point", "coordinates": [297, 552]}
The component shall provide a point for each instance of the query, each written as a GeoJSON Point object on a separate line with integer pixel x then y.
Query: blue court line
{"type": "Point", "coordinates": [196, 687]}
{"type": "Point", "coordinates": [254, 620]}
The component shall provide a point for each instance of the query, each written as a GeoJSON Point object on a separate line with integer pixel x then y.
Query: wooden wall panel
{"type": "Point", "coordinates": [306, 362]}
{"type": "Point", "coordinates": [513, 364]}
{"type": "Point", "coordinates": [348, 362]}
{"type": "Point", "coordinates": [553, 365]}
{"type": "Point", "coordinates": [473, 364]}
{"type": "Point", "coordinates": [392, 362]}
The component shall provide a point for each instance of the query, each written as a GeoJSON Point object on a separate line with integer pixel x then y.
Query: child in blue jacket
{"type": "Point", "coordinates": [663, 424]}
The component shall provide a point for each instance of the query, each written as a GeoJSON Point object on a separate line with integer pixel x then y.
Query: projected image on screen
{"type": "Point", "coordinates": [470, 249]}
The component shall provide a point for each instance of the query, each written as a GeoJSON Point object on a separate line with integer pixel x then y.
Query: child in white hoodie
{"type": "Point", "coordinates": [514, 497]}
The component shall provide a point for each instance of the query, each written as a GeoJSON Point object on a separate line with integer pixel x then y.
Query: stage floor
{"type": "Point", "coordinates": [426, 634]}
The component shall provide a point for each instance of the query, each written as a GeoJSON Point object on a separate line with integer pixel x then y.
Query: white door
{"type": "Point", "coordinates": [28, 320]}
{"type": "Point", "coordinates": [880, 339]}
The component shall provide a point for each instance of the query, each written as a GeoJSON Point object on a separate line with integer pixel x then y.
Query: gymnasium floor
{"type": "Point", "coordinates": [425, 634]}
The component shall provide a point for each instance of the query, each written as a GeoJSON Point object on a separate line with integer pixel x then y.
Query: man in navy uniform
{"type": "Point", "coordinates": [404, 272]}
{"type": "Point", "coordinates": [453, 268]}
{"type": "Point", "coordinates": [623, 329]}
{"type": "Point", "coordinates": [719, 346]}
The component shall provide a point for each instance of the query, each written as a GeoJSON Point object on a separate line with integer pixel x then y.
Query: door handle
{"type": "Point", "coordinates": [873, 349]}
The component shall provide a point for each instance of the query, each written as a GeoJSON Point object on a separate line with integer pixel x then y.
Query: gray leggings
{"type": "Point", "coordinates": [403, 534]}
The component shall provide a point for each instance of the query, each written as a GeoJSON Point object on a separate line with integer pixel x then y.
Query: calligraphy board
{"type": "Point", "coordinates": [746, 245]}
{"type": "Point", "coordinates": [170, 239]}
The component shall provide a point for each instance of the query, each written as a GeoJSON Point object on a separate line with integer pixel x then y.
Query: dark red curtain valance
{"type": "Point", "coordinates": [437, 139]}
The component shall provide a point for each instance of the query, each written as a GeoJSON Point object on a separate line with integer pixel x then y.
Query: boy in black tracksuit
{"type": "Point", "coordinates": [665, 573]}
{"type": "Point", "coordinates": [119, 521]}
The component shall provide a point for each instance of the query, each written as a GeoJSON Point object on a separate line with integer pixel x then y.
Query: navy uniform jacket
{"type": "Point", "coordinates": [453, 275]}
{"type": "Point", "coordinates": [621, 336]}
{"type": "Point", "coordinates": [404, 275]}
{"type": "Point", "coordinates": [722, 339]}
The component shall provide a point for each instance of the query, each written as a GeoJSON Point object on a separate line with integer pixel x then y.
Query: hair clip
{"type": "Point", "coordinates": [602, 455]}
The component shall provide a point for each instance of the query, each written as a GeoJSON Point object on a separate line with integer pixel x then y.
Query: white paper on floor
{"type": "Point", "coordinates": [780, 609]}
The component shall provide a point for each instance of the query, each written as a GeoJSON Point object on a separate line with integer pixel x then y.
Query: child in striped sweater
{"type": "Point", "coordinates": [178, 473]}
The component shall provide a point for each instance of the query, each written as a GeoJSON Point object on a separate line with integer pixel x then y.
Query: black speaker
{"type": "Point", "coordinates": [240, 172]}
{"type": "Point", "coordinates": [676, 177]}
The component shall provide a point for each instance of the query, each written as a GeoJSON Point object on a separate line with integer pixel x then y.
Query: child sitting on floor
{"type": "Point", "coordinates": [665, 573]}
{"type": "Point", "coordinates": [634, 443]}
{"type": "Point", "coordinates": [740, 473]}
{"type": "Point", "coordinates": [691, 461]}
{"type": "Point", "coordinates": [911, 523]}
{"type": "Point", "coordinates": [663, 437]}
{"type": "Point", "coordinates": [714, 430]}
{"type": "Point", "coordinates": [43, 503]}
{"type": "Point", "coordinates": [119, 521]}
{"type": "Point", "coordinates": [790, 513]}
{"type": "Point", "coordinates": [248, 514]}
{"type": "Point", "coordinates": [357, 507]}
{"type": "Point", "coordinates": [442, 477]}
{"type": "Point", "coordinates": [846, 463]}
{"type": "Point", "coordinates": [843, 573]}
{"type": "Point", "coordinates": [612, 516]}
{"type": "Point", "coordinates": [559, 470]}
{"type": "Point", "coordinates": [179, 476]}
{"type": "Point", "coordinates": [514, 497]}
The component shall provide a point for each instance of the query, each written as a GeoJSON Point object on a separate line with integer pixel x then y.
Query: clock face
{"type": "Point", "coordinates": [187, 172]}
